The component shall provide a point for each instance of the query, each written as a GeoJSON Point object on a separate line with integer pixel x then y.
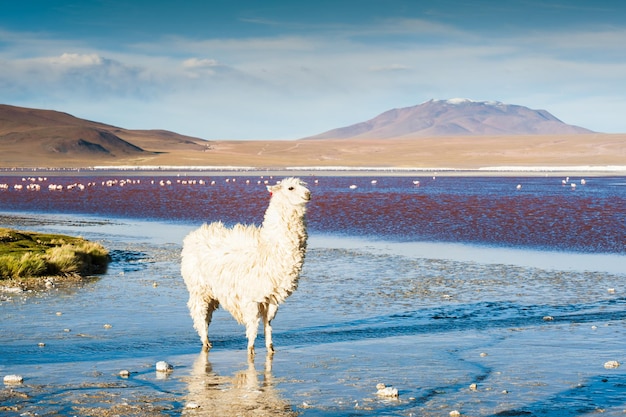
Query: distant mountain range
{"type": "Point", "coordinates": [32, 137]}
{"type": "Point", "coordinates": [455, 117]}
{"type": "Point", "coordinates": [34, 133]}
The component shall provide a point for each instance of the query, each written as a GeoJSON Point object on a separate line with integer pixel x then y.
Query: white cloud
{"type": "Point", "coordinates": [390, 67]}
{"type": "Point", "coordinates": [292, 86]}
{"type": "Point", "coordinates": [199, 63]}
{"type": "Point", "coordinates": [75, 60]}
{"type": "Point", "coordinates": [73, 74]}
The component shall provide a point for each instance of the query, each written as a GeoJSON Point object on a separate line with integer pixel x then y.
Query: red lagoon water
{"type": "Point", "coordinates": [541, 213]}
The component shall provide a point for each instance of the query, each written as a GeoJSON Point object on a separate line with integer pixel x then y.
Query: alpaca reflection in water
{"type": "Point", "coordinates": [243, 393]}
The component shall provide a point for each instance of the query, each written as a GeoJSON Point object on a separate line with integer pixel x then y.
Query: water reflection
{"type": "Point", "coordinates": [244, 393]}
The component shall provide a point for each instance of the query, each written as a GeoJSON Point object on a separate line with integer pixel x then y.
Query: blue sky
{"type": "Point", "coordinates": [263, 69]}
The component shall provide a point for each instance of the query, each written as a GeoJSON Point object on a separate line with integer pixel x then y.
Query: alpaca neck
{"type": "Point", "coordinates": [284, 226]}
{"type": "Point", "coordinates": [283, 234]}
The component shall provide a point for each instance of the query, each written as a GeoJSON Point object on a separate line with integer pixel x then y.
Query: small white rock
{"type": "Point", "coordinates": [548, 318]}
{"type": "Point", "coordinates": [384, 391]}
{"type": "Point", "coordinates": [611, 364]}
{"type": "Point", "coordinates": [192, 406]}
{"type": "Point", "coordinates": [13, 379]}
{"type": "Point", "coordinates": [611, 290]}
{"type": "Point", "coordinates": [107, 326]}
{"type": "Point", "coordinates": [12, 290]}
{"type": "Point", "coordinates": [473, 387]}
{"type": "Point", "coordinates": [124, 373]}
{"type": "Point", "coordinates": [455, 413]}
{"type": "Point", "coordinates": [41, 344]}
{"type": "Point", "coordinates": [162, 366]}
{"type": "Point", "coordinates": [483, 354]}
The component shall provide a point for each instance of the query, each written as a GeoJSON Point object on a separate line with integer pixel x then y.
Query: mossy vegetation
{"type": "Point", "coordinates": [29, 255]}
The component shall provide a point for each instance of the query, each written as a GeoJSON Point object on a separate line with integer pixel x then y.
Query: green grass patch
{"type": "Point", "coordinates": [32, 255]}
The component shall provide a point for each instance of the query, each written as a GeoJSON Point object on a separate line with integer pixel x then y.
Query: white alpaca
{"type": "Point", "coordinates": [248, 270]}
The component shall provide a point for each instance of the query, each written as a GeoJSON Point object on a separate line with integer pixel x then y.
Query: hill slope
{"type": "Point", "coordinates": [455, 117]}
{"type": "Point", "coordinates": [56, 137]}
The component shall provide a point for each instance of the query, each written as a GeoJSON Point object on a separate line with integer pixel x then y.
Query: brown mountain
{"type": "Point", "coordinates": [32, 138]}
{"type": "Point", "coordinates": [455, 117]}
{"type": "Point", "coordinates": [56, 137]}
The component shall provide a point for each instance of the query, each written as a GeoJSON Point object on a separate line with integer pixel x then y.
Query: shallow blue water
{"type": "Point", "coordinates": [403, 285]}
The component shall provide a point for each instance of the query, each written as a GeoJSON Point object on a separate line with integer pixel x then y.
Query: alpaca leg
{"type": "Point", "coordinates": [270, 311]}
{"type": "Point", "coordinates": [212, 306]}
{"type": "Point", "coordinates": [201, 312]}
{"type": "Point", "coordinates": [252, 319]}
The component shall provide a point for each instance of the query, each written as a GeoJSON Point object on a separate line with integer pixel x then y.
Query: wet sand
{"type": "Point", "coordinates": [556, 171]}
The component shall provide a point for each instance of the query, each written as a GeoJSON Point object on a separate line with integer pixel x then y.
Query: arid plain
{"type": "Point", "coordinates": [435, 152]}
{"type": "Point", "coordinates": [463, 153]}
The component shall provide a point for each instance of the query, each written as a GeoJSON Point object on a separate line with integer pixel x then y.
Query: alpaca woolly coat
{"type": "Point", "coordinates": [247, 267]}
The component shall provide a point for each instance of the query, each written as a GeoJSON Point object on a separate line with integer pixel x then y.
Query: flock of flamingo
{"type": "Point", "coordinates": [34, 183]}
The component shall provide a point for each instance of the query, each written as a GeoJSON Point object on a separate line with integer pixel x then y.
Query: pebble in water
{"type": "Point", "coordinates": [13, 379]}
{"type": "Point", "coordinates": [548, 318]}
{"type": "Point", "coordinates": [385, 391]}
{"type": "Point", "coordinates": [162, 366]}
{"type": "Point", "coordinates": [611, 364]}
{"type": "Point", "coordinates": [455, 413]}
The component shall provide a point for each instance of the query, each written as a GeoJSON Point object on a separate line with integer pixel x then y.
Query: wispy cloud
{"type": "Point", "coordinates": [292, 85]}
{"type": "Point", "coordinates": [73, 74]}
{"type": "Point", "coordinates": [390, 67]}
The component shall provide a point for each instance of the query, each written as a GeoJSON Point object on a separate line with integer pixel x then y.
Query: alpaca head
{"type": "Point", "coordinates": [291, 191]}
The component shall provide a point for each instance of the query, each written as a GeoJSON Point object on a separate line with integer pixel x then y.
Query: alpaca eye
{"type": "Point", "coordinates": [290, 188]}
